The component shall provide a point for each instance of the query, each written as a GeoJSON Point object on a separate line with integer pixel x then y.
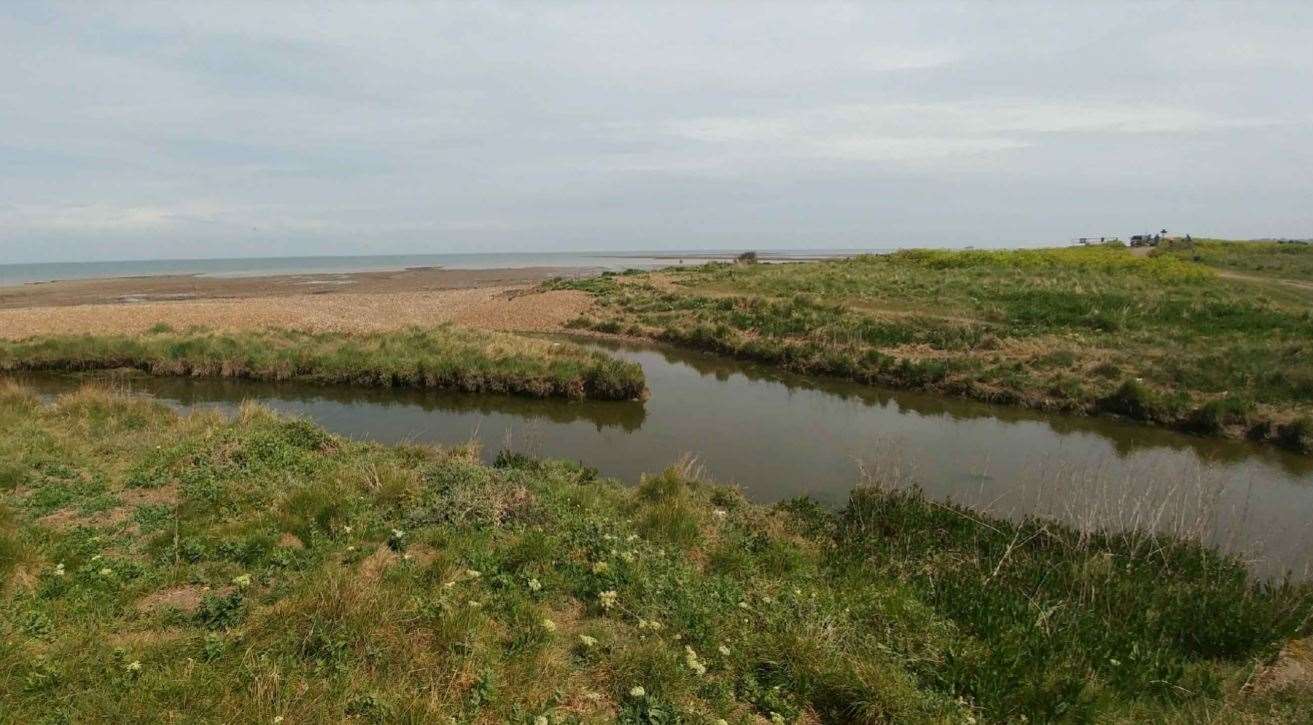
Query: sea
{"type": "Point", "coordinates": [19, 274]}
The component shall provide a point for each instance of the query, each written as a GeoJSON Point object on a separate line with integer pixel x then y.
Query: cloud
{"type": "Point", "coordinates": [442, 127]}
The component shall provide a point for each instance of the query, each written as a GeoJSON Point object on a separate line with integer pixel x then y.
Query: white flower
{"type": "Point", "coordinates": [540, 720]}
{"type": "Point", "coordinates": [474, 604]}
{"type": "Point", "coordinates": [549, 625]}
{"type": "Point", "coordinates": [243, 581]}
{"type": "Point", "coordinates": [724, 650]}
{"type": "Point", "coordinates": [721, 721]}
{"type": "Point", "coordinates": [106, 571]}
{"type": "Point", "coordinates": [691, 659]}
{"type": "Point", "coordinates": [535, 585]}
{"type": "Point", "coordinates": [59, 569]}
{"type": "Point", "coordinates": [398, 534]}
{"type": "Point", "coordinates": [588, 641]}
{"type": "Point", "coordinates": [345, 530]}
{"type": "Point", "coordinates": [134, 667]}
{"type": "Point", "coordinates": [600, 567]}
{"type": "Point", "coordinates": [637, 691]}
{"type": "Point", "coordinates": [632, 537]}
{"type": "Point", "coordinates": [628, 557]}
{"type": "Point", "coordinates": [278, 719]}
{"type": "Point", "coordinates": [776, 717]}
{"type": "Point", "coordinates": [608, 598]}
{"type": "Point", "coordinates": [720, 513]}
{"type": "Point", "coordinates": [473, 573]}
{"type": "Point", "coordinates": [351, 548]}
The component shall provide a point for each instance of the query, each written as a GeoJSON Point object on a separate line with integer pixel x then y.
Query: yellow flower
{"type": "Point", "coordinates": [588, 641]}
{"type": "Point", "coordinates": [637, 691]}
{"type": "Point", "coordinates": [608, 599]}
{"type": "Point", "coordinates": [549, 625]}
{"type": "Point", "coordinates": [600, 567]}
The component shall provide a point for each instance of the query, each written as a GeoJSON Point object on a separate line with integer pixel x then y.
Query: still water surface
{"type": "Point", "coordinates": [778, 435]}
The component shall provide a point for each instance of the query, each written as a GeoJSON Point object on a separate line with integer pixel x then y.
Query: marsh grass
{"type": "Point", "coordinates": [1163, 339]}
{"type": "Point", "coordinates": [424, 586]}
{"type": "Point", "coordinates": [445, 357]}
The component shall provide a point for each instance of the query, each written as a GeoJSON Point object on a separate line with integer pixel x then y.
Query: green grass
{"type": "Point", "coordinates": [330, 580]}
{"type": "Point", "coordinates": [445, 357]}
{"type": "Point", "coordinates": [1271, 259]}
{"type": "Point", "coordinates": [1073, 329]}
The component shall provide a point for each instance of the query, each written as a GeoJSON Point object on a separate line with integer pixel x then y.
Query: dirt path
{"type": "Point", "coordinates": [1295, 283]}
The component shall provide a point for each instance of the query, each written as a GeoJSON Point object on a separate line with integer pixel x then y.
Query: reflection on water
{"type": "Point", "coordinates": [779, 435]}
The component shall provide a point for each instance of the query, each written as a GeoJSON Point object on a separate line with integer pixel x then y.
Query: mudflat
{"type": "Point", "coordinates": [195, 287]}
{"type": "Point", "coordinates": [497, 299]}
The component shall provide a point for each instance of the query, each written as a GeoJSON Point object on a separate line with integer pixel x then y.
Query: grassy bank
{"type": "Point", "coordinates": [1281, 260]}
{"type": "Point", "coordinates": [257, 568]}
{"type": "Point", "coordinates": [1100, 330]}
{"type": "Point", "coordinates": [444, 357]}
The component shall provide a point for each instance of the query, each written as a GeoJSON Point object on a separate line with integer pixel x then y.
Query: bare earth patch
{"type": "Point", "coordinates": [1293, 668]}
{"type": "Point", "coordinates": [186, 598]}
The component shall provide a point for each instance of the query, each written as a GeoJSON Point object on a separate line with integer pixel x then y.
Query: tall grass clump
{"type": "Point", "coordinates": [446, 357]}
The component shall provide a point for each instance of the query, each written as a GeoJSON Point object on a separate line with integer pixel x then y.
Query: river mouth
{"type": "Point", "coordinates": [778, 435]}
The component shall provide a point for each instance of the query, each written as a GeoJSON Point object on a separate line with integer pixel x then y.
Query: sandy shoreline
{"type": "Point", "coordinates": [497, 299]}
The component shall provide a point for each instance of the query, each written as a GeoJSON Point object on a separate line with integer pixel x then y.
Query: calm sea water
{"type": "Point", "coordinates": [15, 274]}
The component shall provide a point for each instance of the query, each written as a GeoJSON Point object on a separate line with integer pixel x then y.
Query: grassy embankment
{"type": "Point", "coordinates": [444, 357]}
{"type": "Point", "coordinates": [1277, 260]}
{"type": "Point", "coordinates": [1087, 330]}
{"type": "Point", "coordinates": [257, 569]}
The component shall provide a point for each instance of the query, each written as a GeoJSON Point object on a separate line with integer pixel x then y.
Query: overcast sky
{"type": "Point", "coordinates": [220, 129]}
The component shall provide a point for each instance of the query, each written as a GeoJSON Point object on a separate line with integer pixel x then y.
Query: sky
{"type": "Point", "coordinates": [194, 130]}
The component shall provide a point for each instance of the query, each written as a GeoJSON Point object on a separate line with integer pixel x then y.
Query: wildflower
{"type": "Point", "coordinates": [593, 696]}
{"type": "Point", "coordinates": [133, 667]}
{"type": "Point", "coordinates": [549, 625]}
{"type": "Point", "coordinates": [474, 604]}
{"type": "Point", "coordinates": [59, 569]}
{"type": "Point", "coordinates": [587, 641]}
{"type": "Point", "coordinates": [691, 659]}
{"type": "Point", "coordinates": [653, 625]}
{"type": "Point", "coordinates": [448, 585]}
{"type": "Point", "coordinates": [768, 600]}
{"type": "Point", "coordinates": [776, 717]}
{"type": "Point", "coordinates": [535, 585]}
{"type": "Point", "coordinates": [628, 557]}
{"type": "Point", "coordinates": [720, 513]}
{"type": "Point", "coordinates": [637, 691]}
{"type": "Point", "coordinates": [346, 530]}
{"type": "Point", "coordinates": [398, 534]}
{"type": "Point", "coordinates": [721, 721]}
{"type": "Point", "coordinates": [600, 567]}
{"type": "Point", "coordinates": [243, 581]}
{"type": "Point", "coordinates": [405, 556]}
{"type": "Point", "coordinates": [743, 605]}
{"type": "Point", "coordinates": [540, 720]}
{"type": "Point", "coordinates": [632, 538]}
{"type": "Point", "coordinates": [473, 573]}
{"type": "Point", "coordinates": [106, 571]}
{"type": "Point", "coordinates": [351, 548]}
{"type": "Point", "coordinates": [724, 650]}
{"type": "Point", "coordinates": [278, 719]}
{"type": "Point", "coordinates": [608, 598]}
{"type": "Point", "coordinates": [609, 537]}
